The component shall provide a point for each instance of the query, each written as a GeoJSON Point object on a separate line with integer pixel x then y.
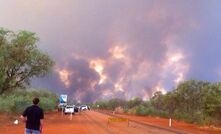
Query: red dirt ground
{"type": "Point", "coordinates": [91, 122]}
{"type": "Point", "coordinates": [175, 124]}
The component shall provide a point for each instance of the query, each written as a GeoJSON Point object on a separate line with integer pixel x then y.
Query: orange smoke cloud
{"type": "Point", "coordinates": [98, 66]}
{"type": "Point", "coordinates": [64, 75]}
{"type": "Point", "coordinates": [117, 52]}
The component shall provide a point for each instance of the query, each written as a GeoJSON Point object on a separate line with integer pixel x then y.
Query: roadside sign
{"type": "Point", "coordinates": [63, 98]}
{"type": "Point", "coordinates": [117, 119]}
{"type": "Point", "coordinates": [113, 119]}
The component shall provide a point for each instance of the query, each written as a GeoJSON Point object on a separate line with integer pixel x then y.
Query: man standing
{"type": "Point", "coordinates": [33, 116]}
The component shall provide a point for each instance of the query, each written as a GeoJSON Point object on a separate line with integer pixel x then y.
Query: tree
{"type": "Point", "coordinates": [20, 59]}
{"type": "Point", "coordinates": [157, 100]}
{"type": "Point", "coordinates": [134, 102]}
{"type": "Point", "coordinates": [116, 102]}
{"type": "Point", "coordinates": [212, 104]}
{"type": "Point", "coordinates": [170, 101]}
{"type": "Point", "coordinates": [190, 94]}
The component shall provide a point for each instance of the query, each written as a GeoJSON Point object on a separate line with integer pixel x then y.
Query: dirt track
{"type": "Point", "coordinates": [88, 122]}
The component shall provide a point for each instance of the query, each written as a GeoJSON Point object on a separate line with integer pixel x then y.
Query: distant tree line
{"type": "Point", "coordinates": [192, 101]}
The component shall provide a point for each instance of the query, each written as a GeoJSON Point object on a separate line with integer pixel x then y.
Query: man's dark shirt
{"type": "Point", "coordinates": [34, 114]}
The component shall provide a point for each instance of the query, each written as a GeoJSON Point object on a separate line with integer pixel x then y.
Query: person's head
{"type": "Point", "coordinates": [35, 101]}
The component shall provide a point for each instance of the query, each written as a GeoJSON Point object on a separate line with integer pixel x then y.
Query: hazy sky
{"type": "Point", "coordinates": [121, 48]}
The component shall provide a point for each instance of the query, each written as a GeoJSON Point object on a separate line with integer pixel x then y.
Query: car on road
{"type": "Point", "coordinates": [84, 107]}
{"type": "Point", "coordinates": [76, 109]}
{"type": "Point", "coordinates": [69, 109]}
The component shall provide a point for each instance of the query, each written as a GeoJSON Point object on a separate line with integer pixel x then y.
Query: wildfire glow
{"type": "Point", "coordinates": [177, 66]}
{"type": "Point", "coordinates": [180, 78]}
{"type": "Point", "coordinates": [64, 75]}
{"type": "Point", "coordinates": [98, 66]}
{"type": "Point", "coordinates": [117, 52]}
{"type": "Point", "coordinates": [107, 93]}
{"type": "Point", "coordinates": [160, 88]}
{"type": "Point", "coordinates": [176, 57]}
{"type": "Point", "coordinates": [102, 79]}
{"type": "Point", "coordinates": [118, 87]}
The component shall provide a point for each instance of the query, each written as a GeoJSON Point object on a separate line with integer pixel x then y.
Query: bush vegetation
{"type": "Point", "coordinates": [16, 102]}
{"type": "Point", "coordinates": [20, 61]}
{"type": "Point", "coordinates": [192, 101]}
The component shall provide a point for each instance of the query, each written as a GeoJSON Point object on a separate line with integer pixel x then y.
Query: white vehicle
{"type": "Point", "coordinates": [84, 107]}
{"type": "Point", "coordinates": [69, 109]}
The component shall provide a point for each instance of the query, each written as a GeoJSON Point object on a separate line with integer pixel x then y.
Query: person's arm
{"type": "Point", "coordinates": [41, 125]}
{"type": "Point", "coordinates": [24, 115]}
{"type": "Point", "coordinates": [41, 121]}
{"type": "Point", "coordinates": [23, 118]}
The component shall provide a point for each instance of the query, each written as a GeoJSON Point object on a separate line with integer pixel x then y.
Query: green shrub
{"type": "Point", "coordinates": [126, 110]}
{"type": "Point", "coordinates": [14, 104]}
{"type": "Point", "coordinates": [141, 110]}
{"type": "Point", "coordinates": [132, 110]}
{"type": "Point", "coordinates": [17, 101]}
{"type": "Point", "coordinates": [161, 113]}
{"type": "Point", "coordinates": [48, 104]}
{"type": "Point", "coordinates": [197, 118]}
